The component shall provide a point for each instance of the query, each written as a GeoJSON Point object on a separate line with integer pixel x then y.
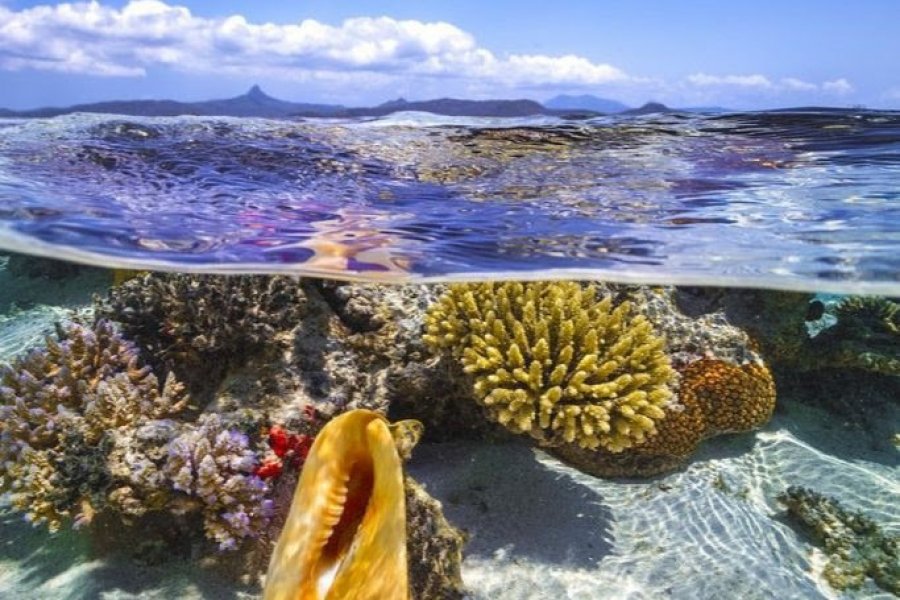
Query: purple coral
{"type": "Point", "coordinates": [216, 465]}
{"type": "Point", "coordinates": [61, 404]}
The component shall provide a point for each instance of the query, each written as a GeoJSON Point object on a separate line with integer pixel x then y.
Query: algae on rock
{"type": "Point", "coordinates": [857, 547]}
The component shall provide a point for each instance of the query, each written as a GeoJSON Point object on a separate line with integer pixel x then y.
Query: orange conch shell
{"type": "Point", "coordinates": [345, 536]}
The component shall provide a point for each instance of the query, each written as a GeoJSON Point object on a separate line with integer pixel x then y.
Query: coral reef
{"type": "Point", "coordinates": [192, 322]}
{"type": "Point", "coordinates": [552, 360]}
{"type": "Point", "coordinates": [215, 467]}
{"type": "Point", "coordinates": [714, 397]}
{"type": "Point", "coordinates": [84, 428]}
{"type": "Point", "coordinates": [865, 337]}
{"type": "Point", "coordinates": [60, 408]}
{"type": "Point", "coordinates": [872, 313]}
{"type": "Point", "coordinates": [856, 546]}
{"type": "Point", "coordinates": [776, 320]}
{"type": "Point", "coordinates": [87, 379]}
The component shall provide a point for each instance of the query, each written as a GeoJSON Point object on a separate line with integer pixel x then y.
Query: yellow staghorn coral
{"type": "Point", "coordinates": [345, 535]}
{"type": "Point", "coordinates": [550, 359]}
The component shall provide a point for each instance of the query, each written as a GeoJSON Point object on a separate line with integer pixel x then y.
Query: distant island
{"type": "Point", "coordinates": [256, 103]}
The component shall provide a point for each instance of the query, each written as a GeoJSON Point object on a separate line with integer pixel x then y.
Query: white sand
{"type": "Point", "coordinates": [541, 530]}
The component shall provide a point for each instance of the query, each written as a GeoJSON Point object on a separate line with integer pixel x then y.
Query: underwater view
{"type": "Point", "coordinates": [441, 357]}
{"type": "Point", "coordinates": [449, 300]}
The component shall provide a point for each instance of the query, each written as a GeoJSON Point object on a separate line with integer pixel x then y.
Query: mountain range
{"type": "Point", "coordinates": [256, 103]}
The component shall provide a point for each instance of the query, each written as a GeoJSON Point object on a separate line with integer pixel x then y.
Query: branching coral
{"type": "Point", "coordinates": [552, 360]}
{"type": "Point", "coordinates": [60, 408]}
{"type": "Point", "coordinates": [215, 466]}
{"type": "Point", "coordinates": [88, 377]}
{"type": "Point", "coordinates": [190, 320]}
{"type": "Point", "coordinates": [856, 545]}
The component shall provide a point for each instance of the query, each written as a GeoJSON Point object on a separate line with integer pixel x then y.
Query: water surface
{"type": "Point", "coordinates": [802, 200]}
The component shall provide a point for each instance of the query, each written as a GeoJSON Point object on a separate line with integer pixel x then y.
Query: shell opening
{"type": "Point", "coordinates": [360, 481]}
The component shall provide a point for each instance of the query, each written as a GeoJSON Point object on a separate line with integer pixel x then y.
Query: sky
{"type": "Point", "coordinates": [741, 55]}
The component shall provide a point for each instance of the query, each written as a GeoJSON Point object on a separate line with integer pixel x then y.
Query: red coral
{"type": "Point", "coordinates": [290, 448]}
{"type": "Point", "coordinates": [270, 467]}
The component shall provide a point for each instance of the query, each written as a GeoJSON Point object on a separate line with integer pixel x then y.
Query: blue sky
{"type": "Point", "coordinates": [742, 55]}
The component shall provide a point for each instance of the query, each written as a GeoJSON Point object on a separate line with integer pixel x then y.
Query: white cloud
{"type": "Point", "coordinates": [761, 82]}
{"type": "Point", "coordinates": [798, 85]}
{"type": "Point", "coordinates": [838, 86]}
{"type": "Point", "coordinates": [750, 81]}
{"type": "Point", "coordinates": [91, 38]}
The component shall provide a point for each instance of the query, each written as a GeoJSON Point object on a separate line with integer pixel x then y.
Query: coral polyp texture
{"type": "Point", "coordinates": [732, 398]}
{"type": "Point", "coordinates": [553, 360]}
{"type": "Point", "coordinates": [190, 320]}
{"type": "Point", "coordinates": [714, 397]}
{"type": "Point", "coordinates": [856, 546]}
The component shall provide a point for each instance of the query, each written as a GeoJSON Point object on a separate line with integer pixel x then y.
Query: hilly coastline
{"type": "Point", "coordinates": [256, 103]}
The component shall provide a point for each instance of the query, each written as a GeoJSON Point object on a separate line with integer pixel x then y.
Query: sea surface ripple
{"type": "Point", "coordinates": [805, 200]}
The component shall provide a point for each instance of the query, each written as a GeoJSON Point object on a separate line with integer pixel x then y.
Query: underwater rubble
{"type": "Point", "coordinates": [187, 407]}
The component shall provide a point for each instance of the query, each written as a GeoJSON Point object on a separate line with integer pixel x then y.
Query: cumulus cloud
{"type": "Point", "coordinates": [838, 86]}
{"type": "Point", "coordinates": [751, 81]}
{"type": "Point", "coordinates": [91, 38]}
{"type": "Point", "coordinates": [798, 85]}
{"type": "Point", "coordinates": [761, 82]}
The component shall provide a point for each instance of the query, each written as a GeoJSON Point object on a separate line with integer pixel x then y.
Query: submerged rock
{"type": "Point", "coordinates": [856, 546]}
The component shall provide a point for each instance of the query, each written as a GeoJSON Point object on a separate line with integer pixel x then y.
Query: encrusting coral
{"type": "Point", "coordinates": [857, 547]}
{"type": "Point", "coordinates": [197, 320]}
{"type": "Point", "coordinates": [553, 360]}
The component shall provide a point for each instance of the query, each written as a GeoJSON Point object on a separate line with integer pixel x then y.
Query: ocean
{"type": "Point", "coordinates": [172, 288]}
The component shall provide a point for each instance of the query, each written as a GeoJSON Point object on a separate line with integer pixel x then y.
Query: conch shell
{"type": "Point", "coordinates": [345, 535]}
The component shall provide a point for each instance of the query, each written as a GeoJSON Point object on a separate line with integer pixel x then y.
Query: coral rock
{"type": "Point", "coordinates": [857, 547]}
